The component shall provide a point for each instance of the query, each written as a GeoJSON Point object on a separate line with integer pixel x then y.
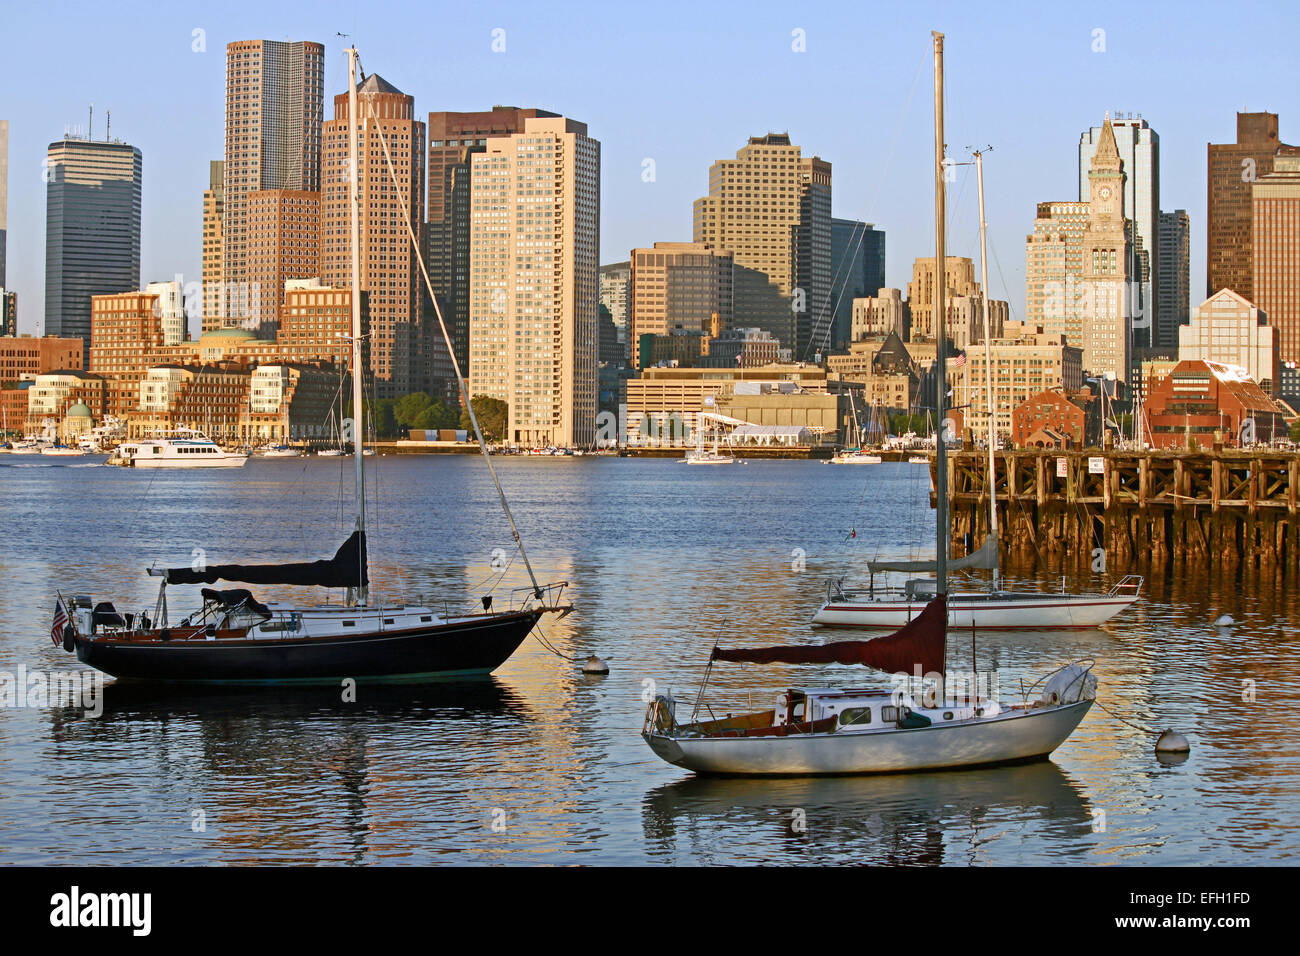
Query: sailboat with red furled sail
{"type": "Point", "coordinates": [917, 724]}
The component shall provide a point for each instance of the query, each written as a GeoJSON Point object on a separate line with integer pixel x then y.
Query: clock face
{"type": "Point", "coordinates": [1104, 192]}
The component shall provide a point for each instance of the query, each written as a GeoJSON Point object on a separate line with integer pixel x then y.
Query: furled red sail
{"type": "Point", "coordinates": [920, 642]}
{"type": "Point", "coordinates": [346, 569]}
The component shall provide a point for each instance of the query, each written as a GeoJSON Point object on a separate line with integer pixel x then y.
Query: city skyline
{"type": "Point", "coordinates": [682, 125]}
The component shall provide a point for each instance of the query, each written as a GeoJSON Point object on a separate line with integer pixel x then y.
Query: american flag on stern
{"type": "Point", "coordinates": [60, 622]}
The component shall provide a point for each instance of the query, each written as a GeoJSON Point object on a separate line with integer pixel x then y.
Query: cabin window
{"type": "Point", "coordinates": [425, 619]}
{"type": "Point", "coordinates": [947, 715]}
{"type": "Point", "coordinates": [855, 715]}
{"type": "Point", "coordinates": [388, 620]}
{"type": "Point", "coordinates": [888, 714]}
{"type": "Point", "coordinates": [349, 623]}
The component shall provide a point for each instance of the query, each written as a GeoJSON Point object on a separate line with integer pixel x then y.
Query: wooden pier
{"type": "Point", "coordinates": [1223, 507]}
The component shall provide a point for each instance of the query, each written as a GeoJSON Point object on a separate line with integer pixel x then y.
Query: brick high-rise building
{"type": "Point", "coordinates": [400, 342]}
{"type": "Point", "coordinates": [213, 274]}
{"type": "Point", "coordinates": [771, 207]}
{"type": "Point", "coordinates": [92, 229]}
{"type": "Point", "coordinates": [127, 328]}
{"type": "Point", "coordinates": [283, 242]}
{"type": "Point", "coordinates": [1275, 249]}
{"type": "Point", "coordinates": [534, 283]}
{"type": "Point", "coordinates": [274, 108]}
{"type": "Point", "coordinates": [1232, 168]}
{"type": "Point", "coordinates": [453, 139]}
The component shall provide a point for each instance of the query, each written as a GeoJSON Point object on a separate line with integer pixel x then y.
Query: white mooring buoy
{"type": "Point", "coordinates": [1172, 742]}
{"type": "Point", "coordinates": [594, 665]}
{"type": "Point", "coordinates": [1224, 620]}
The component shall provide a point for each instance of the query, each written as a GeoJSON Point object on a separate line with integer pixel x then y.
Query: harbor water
{"type": "Point", "coordinates": [541, 764]}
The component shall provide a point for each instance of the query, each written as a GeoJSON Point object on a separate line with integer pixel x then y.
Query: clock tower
{"type": "Point", "coordinates": [1104, 271]}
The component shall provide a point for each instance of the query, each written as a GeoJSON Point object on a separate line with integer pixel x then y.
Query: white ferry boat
{"type": "Point", "coordinates": [185, 449]}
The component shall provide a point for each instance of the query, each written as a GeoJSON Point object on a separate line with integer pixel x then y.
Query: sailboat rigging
{"type": "Point", "coordinates": [815, 731]}
{"type": "Point", "coordinates": [236, 638]}
{"type": "Point", "coordinates": [994, 608]}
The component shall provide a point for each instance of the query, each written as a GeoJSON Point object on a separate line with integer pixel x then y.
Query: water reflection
{"type": "Point", "coordinates": [905, 819]}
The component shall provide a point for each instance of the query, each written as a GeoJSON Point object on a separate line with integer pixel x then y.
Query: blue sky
{"type": "Point", "coordinates": [683, 84]}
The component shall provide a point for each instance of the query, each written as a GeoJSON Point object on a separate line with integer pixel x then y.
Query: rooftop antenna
{"type": "Point", "coordinates": [90, 130]}
{"type": "Point", "coordinates": [108, 133]}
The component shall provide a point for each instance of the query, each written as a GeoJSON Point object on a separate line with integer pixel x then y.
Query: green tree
{"type": "Point", "coordinates": [1295, 430]}
{"type": "Point", "coordinates": [409, 409]}
{"type": "Point", "coordinates": [385, 419]}
{"type": "Point", "coordinates": [491, 414]}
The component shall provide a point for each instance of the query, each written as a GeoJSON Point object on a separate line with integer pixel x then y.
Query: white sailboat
{"type": "Point", "coordinates": [855, 455]}
{"type": "Point", "coordinates": [855, 731]}
{"type": "Point", "coordinates": [995, 608]}
{"type": "Point", "coordinates": [701, 456]}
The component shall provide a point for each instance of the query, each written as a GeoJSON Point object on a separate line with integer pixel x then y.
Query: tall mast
{"type": "Point", "coordinates": [358, 373]}
{"type": "Point", "coordinates": [940, 317]}
{"type": "Point", "coordinates": [988, 364]}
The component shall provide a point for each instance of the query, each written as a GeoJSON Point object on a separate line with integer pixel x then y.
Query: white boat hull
{"type": "Point", "coordinates": [216, 461]}
{"type": "Point", "coordinates": [1011, 737]}
{"type": "Point", "coordinates": [1051, 611]}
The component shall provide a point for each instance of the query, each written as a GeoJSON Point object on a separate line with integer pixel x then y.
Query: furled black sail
{"type": "Point", "coordinates": [346, 569]}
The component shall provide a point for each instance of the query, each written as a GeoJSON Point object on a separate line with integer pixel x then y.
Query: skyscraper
{"type": "Point", "coordinates": [534, 280]}
{"type": "Point", "coordinates": [616, 297]}
{"type": "Point", "coordinates": [857, 271]}
{"type": "Point", "coordinates": [1077, 267]}
{"type": "Point", "coordinates": [771, 207]}
{"type": "Point", "coordinates": [1232, 168]}
{"type": "Point", "coordinates": [1173, 296]}
{"type": "Point", "coordinates": [1107, 265]}
{"type": "Point", "coordinates": [390, 272]}
{"type": "Point", "coordinates": [1138, 146]}
{"type": "Point", "coordinates": [274, 107]}
{"type": "Point", "coordinates": [4, 196]}
{"type": "Point", "coordinates": [453, 138]}
{"type": "Point", "coordinates": [213, 205]}
{"type": "Point", "coordinates": [1275, 249]}
{"type": "Point", "coordinates": [680, 285]}
{"type": "Point", "coordinates": [92, 228]}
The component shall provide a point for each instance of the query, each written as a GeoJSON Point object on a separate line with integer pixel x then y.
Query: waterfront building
{"type": "Point", "coordinates": [274, 108]}
{"type": "Point", "coordinates": [1048, 410]}
{"type": "Point", "coordinates": [1206, 402]}
{"type": "Point", "coordinates": [680, 285]}
{"type": "Point", "coordinates": [126, 329]}
{"type": "Point", "coordinates": [770, 206]}
{"type": "Point", "coordinates": [316, 323]}
{"type": "Point", "coordinates": [857, 272]}
{"type": "Point", "coordinates": [1173, 292]}
{"type": "Point", "coordinates": [663, 403]}
{"type": "Point", "coordinates": [52, 394]}
{"type": "Point", "coordinates": [889, 377]}
{"type": "Point", "coordinates": [209, 398]}
{"type": "Point", "coordinates": [92, 228]}
{"type": "Point", "coordinates": [1229, 330]}
{"type": "Point", "coordinates": [1232, 170]}
{"type": "Point", "coordinates": [282, 242]}
{"type": "Point", "coordinates": [1138, 146]}
{"type": "Point", "coordinates": [1026, 361]}
{"type": "Point", "coordinates": [401, 345]}
{"type": "Point", "coordinates": [743, 348]}
{"type": "Point", "coordinates": [26, 356]}
{"type": "Point", "coordinates": [534, 288]}
{"type": "Point", "coordinates": [213, 272]}
{"type": "Point", "coordinates": [454, 137]}
{"type": "Point", "coordinates": [1275, 249]}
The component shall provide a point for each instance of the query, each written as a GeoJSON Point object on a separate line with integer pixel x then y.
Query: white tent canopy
{"type": "Point", "coordinates": [773, 435]}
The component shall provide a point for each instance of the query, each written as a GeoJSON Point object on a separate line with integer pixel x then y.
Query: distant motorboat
{"type": "Point", "coordinates": [186, 448]}
{"type": "Point", "coordinates": [62, 451]}
{"type": "Point", "coordinates": [279, 451]}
